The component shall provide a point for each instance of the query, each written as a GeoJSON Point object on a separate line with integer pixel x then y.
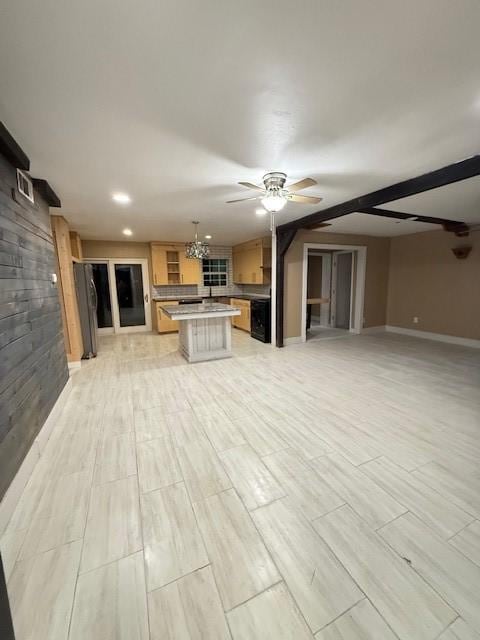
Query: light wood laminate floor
{"type": "Point", "coordinates": [328, 490]}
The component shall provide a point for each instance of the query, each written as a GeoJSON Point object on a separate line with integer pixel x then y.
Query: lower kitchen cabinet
{"type": "Point", "coordinates": [242, 321]}
{"type": "Point", "coordinates": [164, 324]}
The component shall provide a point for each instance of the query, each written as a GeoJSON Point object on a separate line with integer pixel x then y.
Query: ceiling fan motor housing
{"type": "Point", "coordinates": [274, 181]}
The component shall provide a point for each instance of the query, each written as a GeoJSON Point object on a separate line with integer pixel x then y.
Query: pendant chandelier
{"type": "Point", "coordinates": [197, 249]}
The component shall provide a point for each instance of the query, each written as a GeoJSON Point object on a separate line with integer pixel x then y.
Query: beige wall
{"type": "Point", "coordinates": [427, 281]}
{"type": "Point", "coordinates": [110, 249]}
{"type": "Point", "coordinates": [376, 279]}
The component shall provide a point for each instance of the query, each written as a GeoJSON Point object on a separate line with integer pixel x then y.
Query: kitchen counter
{"type": "Point", "coordinates": [205, 331]}
{"type": "Point", "coordinates": [180, 311]}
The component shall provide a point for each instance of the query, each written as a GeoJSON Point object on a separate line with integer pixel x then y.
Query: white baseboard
{"type": "Point", "coordinates": [414, 333]}
{"type": "Point", "coordinates": [14, 491]}
{"type": "Point", "coordinates": [76, 364]}
{"type": "Point", "coordinates": [380, 329]}
{"type": "Point", "coordinates": [294, 340]}
{"type": "Point", "coordinates": [439, 337]}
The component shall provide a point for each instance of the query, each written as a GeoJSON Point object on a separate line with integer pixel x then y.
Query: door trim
{"type": "Point", "coordinates": [110, 262]}
{"type": "Point", "coordinates": [146, 294]}
{"type": "Point", "coordinates": [361, 250]}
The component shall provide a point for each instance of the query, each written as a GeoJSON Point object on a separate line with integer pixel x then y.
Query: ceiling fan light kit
{"type": "Point", "coordinates": [274, 202]}
{"type": "Point", "coordinates": [197, 250]}
{"type": "Point", "coordinates": [274, 196]}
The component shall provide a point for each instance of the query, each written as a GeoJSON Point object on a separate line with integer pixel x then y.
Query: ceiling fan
{"type": "Point", "coordinates": [273, 194]}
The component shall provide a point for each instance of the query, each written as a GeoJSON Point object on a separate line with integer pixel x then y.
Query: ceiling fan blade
{"type": "Point", "coordinates": [250, 185]}
{"type": "Point", "coordinates": [302, 184]}
{"type": "Point", "coordinates": [293, 197]}
{"type": "Point", "coordinates": [243, 199]}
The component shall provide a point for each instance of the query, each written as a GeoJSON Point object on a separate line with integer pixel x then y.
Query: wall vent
{"type": "Point", "coordinates": [25, 185]}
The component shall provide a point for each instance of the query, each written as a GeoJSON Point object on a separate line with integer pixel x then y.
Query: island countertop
{"type": "Point", "coordinates": [189, 311]}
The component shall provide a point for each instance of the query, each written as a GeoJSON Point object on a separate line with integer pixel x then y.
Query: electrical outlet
{"type": "Point", "coordinates": [415, 320]}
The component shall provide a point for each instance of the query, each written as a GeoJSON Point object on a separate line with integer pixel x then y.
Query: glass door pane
{"type": "Point", "coordinates": [104, 303]}
{"type": "Point", "coordinates": [129, 287]}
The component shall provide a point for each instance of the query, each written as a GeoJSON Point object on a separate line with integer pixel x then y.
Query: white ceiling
{"type": "Point", "coordinates": [175, 101]}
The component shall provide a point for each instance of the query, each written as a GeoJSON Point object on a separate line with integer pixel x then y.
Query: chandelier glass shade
{"type": "Point", "coordinates": [197, 250]}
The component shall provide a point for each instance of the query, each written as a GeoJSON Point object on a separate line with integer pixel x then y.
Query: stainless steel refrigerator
{"type": "Point", "coordinates": [87, 307]}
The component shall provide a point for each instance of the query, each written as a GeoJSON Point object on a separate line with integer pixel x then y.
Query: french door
{"type": "Point", "coordinates": [123, 295]}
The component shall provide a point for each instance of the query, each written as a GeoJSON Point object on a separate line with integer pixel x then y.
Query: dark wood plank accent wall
{"type": "Point", "coordinates": [6, 622]}
{"type": "Point", "coordinates": [33, 366]}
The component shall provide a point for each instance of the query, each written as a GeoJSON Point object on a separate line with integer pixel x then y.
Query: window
{"type": "Point", "coordinates": [215, 272]}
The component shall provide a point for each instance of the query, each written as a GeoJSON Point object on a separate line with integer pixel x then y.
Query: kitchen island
{"type": "Point", "coordinates": [205, 329]}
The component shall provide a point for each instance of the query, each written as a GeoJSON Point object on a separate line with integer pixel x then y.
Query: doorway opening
{"type": "Point", "coordinates": [123, 292]}
{"type": "Point", "coordinates": [333, 290]}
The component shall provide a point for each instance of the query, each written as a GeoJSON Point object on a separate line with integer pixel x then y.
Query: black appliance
{"type": "Point", "coordinates": [260, 319]}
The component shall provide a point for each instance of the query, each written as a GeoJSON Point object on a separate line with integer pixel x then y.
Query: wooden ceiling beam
{"type": "Point", "coordinates": [47, 193]}
{"type": "Point", "coordinates": [454, 226]}
{"type": "Point", "coordinates": [12, 151]}
{"type": "Point", "coordinates": [468, 168]}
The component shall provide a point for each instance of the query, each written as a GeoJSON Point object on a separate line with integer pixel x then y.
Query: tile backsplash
{"type": "Point", "coordinates": [256, 289]}
{"type": "Point", "coordinates": [177, 291]}
{"type": "Point", "coordinates": [230, 290]}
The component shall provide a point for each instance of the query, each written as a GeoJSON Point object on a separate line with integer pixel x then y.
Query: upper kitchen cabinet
{"type": "Point", "coordinates": [190, 269]}
{"type": "Point", "coordinates": [159, 264]}
{"type": "Point", "coordinates": [252, 261]}
{"type": "Point", "coordinates": [171, 266]}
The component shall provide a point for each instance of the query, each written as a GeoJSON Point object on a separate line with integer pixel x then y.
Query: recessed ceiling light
{"type": "Point", "coordinates": [121, 198]}
{"type": "Point", "coordinates": [260, 212]}
{"type": "Point", "coordinates": [127, 232]}
{"type": "Point", "coordinates": [208, 237]}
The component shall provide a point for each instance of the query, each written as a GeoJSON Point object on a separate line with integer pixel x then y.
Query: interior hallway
{"type": "Point", "coordinates": [329, 488]}
{"type": "Point", "coordinates": [317, 332]}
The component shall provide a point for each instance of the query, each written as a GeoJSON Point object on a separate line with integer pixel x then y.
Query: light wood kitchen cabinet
{"type": "Point", "coordinates": [159, 264]}
{"type": "Point", "coordinates": [164, 323]}
{"type": "Point", "coordinates": [240, 266]}
{"type": "Point", "coordinates": [242, 321]}
{"type": "Point", "coordinates": [252, 262]}
{"type": "Point", "coordinates": [171, 266]}
{"type": "Point", "coordinates": [190, 270]}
